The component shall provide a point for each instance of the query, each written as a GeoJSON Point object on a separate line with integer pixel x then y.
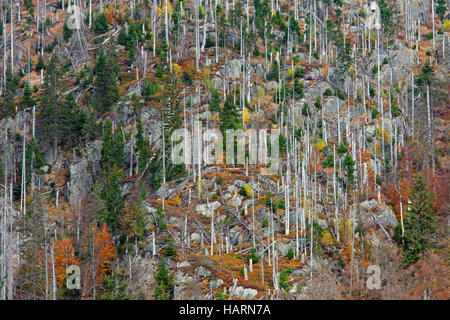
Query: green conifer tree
{"type": "Point", "coordinates": [419, 223]}
{"type": "Point", "coordinates": [106, 89]}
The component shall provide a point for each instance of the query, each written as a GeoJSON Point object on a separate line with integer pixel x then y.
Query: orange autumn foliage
{"type": "Point", "coordinates": [64, 257]}
{"type": "Point", "coordinates": [430, 280]}
{"type": "Point", "coordinates": [109, 12]}
{"type": "Point", "coordinates": [105, 251]}
{"type": "Point", "coordinates": [365, 156]}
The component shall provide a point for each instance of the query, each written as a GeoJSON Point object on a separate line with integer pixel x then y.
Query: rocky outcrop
{"type": "Point", "coordinates": [332, 105]}
{"type": "Point", "coordinates": [374, 213]}
{"type": "Point", "coordinates": [207, 209]}
{"type": "Point", "coordinates": [202, 272]}
{"type": "Point", "coordinates": [232, 70]}
{"type": "Point", "coordinates": [315, 90]}
{"type": "Point", "coordinates": [402, 62]}
{"type": "Point", "coordinates": [94, 154]}
{"type": "Point", "coordinates": [245, 293]}
{"type": "Point", "coordinates": [80, 181]}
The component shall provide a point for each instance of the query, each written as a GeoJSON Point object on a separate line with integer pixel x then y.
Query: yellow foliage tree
{"type": "Point", "coordinates": [246, 115]}
{"type": "Point", "coordinates": [327, 239]}
{"type": "Point", "coordinates": [381, 131]}
{"type": "Point", "coordinates": [345, 228]}
{"type": "Point", "coordinates": [248, 190]}
{"type": "Point", "coordinates": [446, 25]}
{"type": "Point", "coordinates": [176, 68]}
{"type": "Point", "coordinates": [175, 200]}
{"type": "Point", "coordinates": [321, 144]}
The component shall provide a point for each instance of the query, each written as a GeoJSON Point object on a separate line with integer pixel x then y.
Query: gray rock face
{"type": "Point", "coordinates": [387, 218]}
{"type": "Point", "coordinates": [123, 114]}
{"type": "Point", "coordinates": [184, 264]}
{"type": "Point", "coordinates": [245, 293]}
{"type": "Point", "coordinates": [94, 154]}
{"type": "Point", "coordinates": [282, 248]}
{"type": "Point", "coordinates": [442, 73]}
{"type": "Point", "coordinates": [235, 237]}
{"type": "Point", "coordinates": [163, 192]}
{"type": "Point", "coordinates": [126, 187]}
{"type": "Point", "coordinates": [402, 61]}
{"type": "Point", "coordinates": [207, 209]}
{"type": "Point", "coordinates": [6, 124]}
{"type": "Point", "coordinates": [302, 56]}
{"type": "Point", "coordinates": [235, 201]}
{"type": "Point", "coordinates": [239, 183]}
{"type": "Point", "coordinates": [6, 147]}
{"type": "Point", "coordinates": [195, 237]}
{"type": "Point", "coordinates": [144, 268]}
{"type": "Point", "coordinates": [420, 9]}
{"type": "Point", "coordinates": [312, 74]}
{"type": "Point", "coordinates": [271, 85]}
{"type": "Point", "coordinates": [322, 223]}
{"type": "Point", "coordinates": [332, 105]}
{"type": "Point", "coordinates": [217, 82]}
{"type": "Point", "coordinates": [135, 89]}
{"type": "Point", "coordinates": [150, 118]}
{"type": "Point", "coordinates": [232, 69]}
{"type": "Point", "coordinates": [315, 90]}
{"type": "Point", "coordinates": [257, 70]}
{"type": "Point", "coordinates": [80, 181]}
{"type": "Point", "coordinates": [178, 291]}
{"type": "Point", "coordinates": [374, 213]}
{"type": "Point", "coordinates": [215, 283]}
{"type": "Point", "coordinates": [20, 119]}
{"type": "Point", "coordinates": [369, 205]}
{"type": "Point", "coordinates": [202, 271]}
{"type": "Point", "coordinates": [57, 164]}
{"type": "Point", "coordinates": [370, 131]}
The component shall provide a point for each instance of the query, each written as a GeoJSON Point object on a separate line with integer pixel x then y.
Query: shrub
{"type": "Point", "coordinates": [375, 69]}
{"type": "Point", "coordinates": [290, 254]}
{"type": "Point", "coordinates": [328, 163]}
{"type": "Point", "coordinates": [327, 239]}
{"type": "Point", "coordinates": [328, 92]}
{"type": "Point", "coordinates": [284, 278]}
{"type": "Point", "coordinates": [375, 113]}
{"type": "Point", "coordinates": [342, 149]}
{"type": "Point", "coordinates": [252, 255]}
{"type": "Point", "coordinates": [299, 72]}
{"type": "Point", "coordinates": [316, 55]}
{"type": "Point", "coordinates": [101, 23]}
{"type": "Point", "coordinates": [321, 144]}
{"type": "Point", "coordinates": [305, 110]}
{"type": "Point", "coordinates": [170, 250]}
{"type": "Point", "coordinates": [317, 103]}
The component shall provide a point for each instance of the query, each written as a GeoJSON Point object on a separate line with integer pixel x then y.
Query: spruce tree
{"type": "Point", "coordinates": [101, 23]}
{"type": "Point", "coordinates": [229, 116]}
{"type": "Point", "coordinates": [34, 159]}
{"type": "Point", "coordinates": [8, 104]}
{"type": "Point", "coordinates": [106, 89]}
{"type": "Point", "coordinates": [52, 118]}
{"type": "Point", "coordinates": [112, 196]}
{"type": "Point", "coordinates": [165, 283]}
{"type": "Point", "coordinates": [74, 120]}
{"type": "Point", "coordinates": [27, 101]}
{"type": "Point", "coordinates": [112, 160]}
{"type": "Point", "coordinates": [112, 149]}
{"type": "Point", "coordinates": [40, 64]}
{"type": "Point", "coordinates": [419, 223]}
{"type": "Point", "coordinates": [349, 164]}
